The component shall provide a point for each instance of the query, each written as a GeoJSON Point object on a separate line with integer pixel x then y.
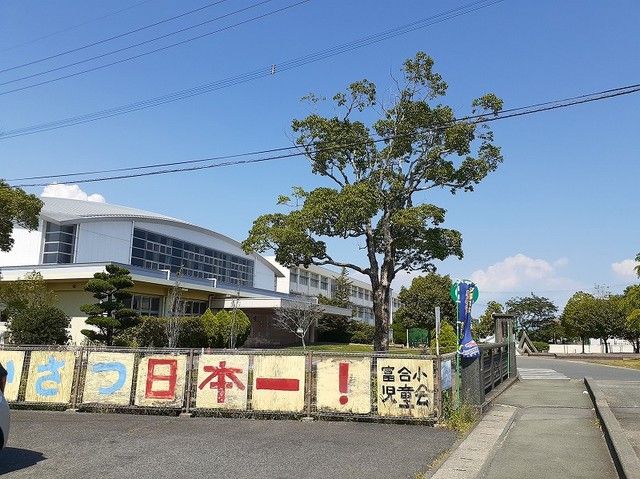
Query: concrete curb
{"type": "Point", "coordinates": [624, 457]}
{"type": "Point", "coordinates": [470, 457]}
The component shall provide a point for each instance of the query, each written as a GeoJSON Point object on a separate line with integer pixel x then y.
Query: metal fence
{"type": "Point", "coordinates": [495, 365]}
{"type": "Point", "coordinates": [439, 382]}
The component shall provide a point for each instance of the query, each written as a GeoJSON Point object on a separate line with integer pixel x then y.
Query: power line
{"type": "Point", "coordinates": [99, 42]}
{"type": "Point", "coordinates": [100, 67]}
{"type": "Point", "coordinates": [507, 113]}
{"type": "Point", "coordinates": [129, 47]}
{"type": "Point", "coordinates": [476, 119]}
{"type": "Point", "coordinates": [252, 75]}
{"type": "Point", "coordinates": [73, 27]}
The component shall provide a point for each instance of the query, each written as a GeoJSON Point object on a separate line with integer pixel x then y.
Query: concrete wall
{"type": "Point", "coordinates": [615, 346]}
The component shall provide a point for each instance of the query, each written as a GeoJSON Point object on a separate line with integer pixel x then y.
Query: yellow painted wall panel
{"type": "Point", "coordinates": [222, 381]}
{"type": "Point", "coordinates": [12, 362]}
{"type": "Point", "coordinates": [50, 376]}
{"type": "Point", "coordinates": [278, 383]}
{"type": "Point", "coordinates": [161, 381]}
{"type": "Point", "coordinates": [109, 378]}
{"type": "Point", "coordinates": [344, 385]}
{"type": "Point", "coordinates": [405, 387]}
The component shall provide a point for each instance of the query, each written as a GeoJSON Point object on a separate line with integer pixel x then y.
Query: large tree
{"type": "Point", "coordinates": [16, 208]}
{"type": "Point", "coordinates": [112, 314]}
{"type": "Point", "coordinates": [380, 172]}
{"type": "Point", "coordinates": [577, 317]}
{"type": "Point", "coordinates": [28, 292]}
{"type": "Point", "coordinates": [486, 325]}
{"type": "Point", "coordinates": [532, 313]}
{"type": "Point", "coordinates": [630, 303]}
{"type": "Point", "coordinates": [418, 302]}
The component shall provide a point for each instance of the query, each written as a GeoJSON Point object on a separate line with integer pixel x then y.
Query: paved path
{"type": "Point", "coordinates": [555, 434]}
{"type": "Point", "coordinates": [85, 445]}
{"type": "Point", "coordinates": [577, 370]}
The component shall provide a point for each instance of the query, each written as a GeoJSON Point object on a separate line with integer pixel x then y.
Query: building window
{"type": "Point", "coordinates": [58, 243]}
{"type": "Point", "coordinates": [294, 275]}
{"type": "Point", "coordinates": [303, 278]}
{"type": "Point", "coordinates": [360, 293]}
{"type": "Point", "coordinates": [156, 251]}
{"type": "Point", "coordinates": [146, 305]}
{"type": "Point", "coordinates": [189, 307]}
{"type": "Point", "coordinates": [324, 283]}
{"type": "Point", "coordinates": [313, 282]}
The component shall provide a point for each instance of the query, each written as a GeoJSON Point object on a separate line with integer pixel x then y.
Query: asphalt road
{"type": "Point", "coordinates": [578, 370]}
{"type": "Point", "coordinates": [82, 445]}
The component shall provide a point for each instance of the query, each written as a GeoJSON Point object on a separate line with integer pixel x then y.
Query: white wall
{"type": "Point", "coordinates": [104, 241]}
{"type": "Point", "coordinates": [26, 248]}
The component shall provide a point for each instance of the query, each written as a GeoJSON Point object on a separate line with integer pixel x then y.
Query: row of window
{"type": "Point", "coordinates": [155, 251]}
{"type": "Point", "coordinates": [307, 278]}
{"type": "Point", "coordinates": [152, 306]}
{"type": "Point", "coordinates": [58, 243]}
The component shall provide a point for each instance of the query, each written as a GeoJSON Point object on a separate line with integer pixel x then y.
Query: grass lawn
{"type": "Point", "coordinates": [354, 348]}
{"type": "Point", "coordinates": [627, 363]}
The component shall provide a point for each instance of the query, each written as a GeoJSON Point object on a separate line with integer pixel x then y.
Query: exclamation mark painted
{"type": "Point", "coordinates": [343, 382]}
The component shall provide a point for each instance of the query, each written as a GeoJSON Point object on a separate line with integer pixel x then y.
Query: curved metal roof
{"type": "Point", "coordinates": [65, 211]}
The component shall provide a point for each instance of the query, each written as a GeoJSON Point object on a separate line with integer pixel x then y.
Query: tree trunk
{"type": "Point", "coordinates": [582, 341]}
{"type": "Point", "coordinates": [381, 313]}
{"type": "Point", "coordinates": [606, 346]}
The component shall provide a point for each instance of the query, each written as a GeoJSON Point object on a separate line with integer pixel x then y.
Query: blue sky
{"type": "Point", "coordinates": [560, 214]}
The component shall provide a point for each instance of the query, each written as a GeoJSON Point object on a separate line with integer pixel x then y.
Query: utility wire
{"type": "Point", "coordinates": [99, 42]}
{"type": "Point", "coordinates": [252, 75]}
{"type": "Point", "coordinates": [502, 114]}
{"type": "Point", "coordinates": [475, 119]}
{"type": "Point", "coordinates": [129, 47]}
{"type": "Point", "coordinates": [73, 27]}
{"type": "Point", "coordinates": [100, 67]}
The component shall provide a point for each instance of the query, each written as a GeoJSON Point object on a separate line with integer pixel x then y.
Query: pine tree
{"type": "Point", "coordinates": [111, 314]}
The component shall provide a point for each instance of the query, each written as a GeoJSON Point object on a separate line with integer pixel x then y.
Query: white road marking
{"type": "Point", "coordinates": [539, 373]}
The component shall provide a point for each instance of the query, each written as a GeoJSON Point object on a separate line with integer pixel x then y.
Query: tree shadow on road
{"type": "Point", "coordinates": [15, 458]}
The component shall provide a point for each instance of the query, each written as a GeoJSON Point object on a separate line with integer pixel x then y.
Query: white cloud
{"type": "Point", "coordinates": [522, 273]}
{"type": "Point", "coordinates": [625, 268]}
{"type": "Point", "coordinates": [73, 192]}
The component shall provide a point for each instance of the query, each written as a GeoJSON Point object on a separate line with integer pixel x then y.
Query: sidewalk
{"type": "Point", "coordinates": [555, 434]}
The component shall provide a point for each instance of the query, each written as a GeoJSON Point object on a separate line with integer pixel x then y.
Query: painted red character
{"type": "Point", "coordinates": [218, 379]}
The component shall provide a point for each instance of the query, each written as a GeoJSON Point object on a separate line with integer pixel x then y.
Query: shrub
{"type": "Point", "coordinates": [361, 332]}
{"type": "Point", "coordinates": [399, 332]}
{"type": "Point", "coordinates": [151, 332]}
{"type": "Point", "coordinates": [448, 340]}
{"type": "Point", "coordinates": [192, 333]}
{"type": "Point", "coordinates": [541, 346]}
{"type": "Point", "coordinates": [334, 329]}
{"type": "Point", "coordinates": [208, 320]}
{"type": "Point", "coordinates": [227, 323]}
{"type": "Point", "coordinates": [39, 325]}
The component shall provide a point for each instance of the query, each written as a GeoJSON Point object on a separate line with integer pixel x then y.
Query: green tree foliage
{"type": "Point", "coordinates": [378, 188]}
{"type": "Point", "coordinates": [231, 325]}
{"type": "Point", "coordinates": [447, 339]}
{"type": "Point", "coordinates": [630, 304]}
{"type": "Point", "coordinates": [191, 333]}
{"type": "Point", "coordinates": [26, 293]}
{"type": "Point", "coordinates": [532, 313]}
{"type": "Point", "coordinates": [208, 320]}
{"type": "Point", "coordinates": [361, 332]}
{"type": "Point", "coordinates": [151, 332]}
{"type": "Point", "coordinates": [40, 324]}
{"type": "Point", "coordinates": [112, 314]}
{"type": "Point", "coordinates": [586, 316]}
{"type": "Point", "coordinates": [486, 326]}
{"type": "Point", "coordinates": [16, 208]}
{"type": "Point", "coordinates": [333, 329]}
{"type": "Point", "coordinates": [418, 302]}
